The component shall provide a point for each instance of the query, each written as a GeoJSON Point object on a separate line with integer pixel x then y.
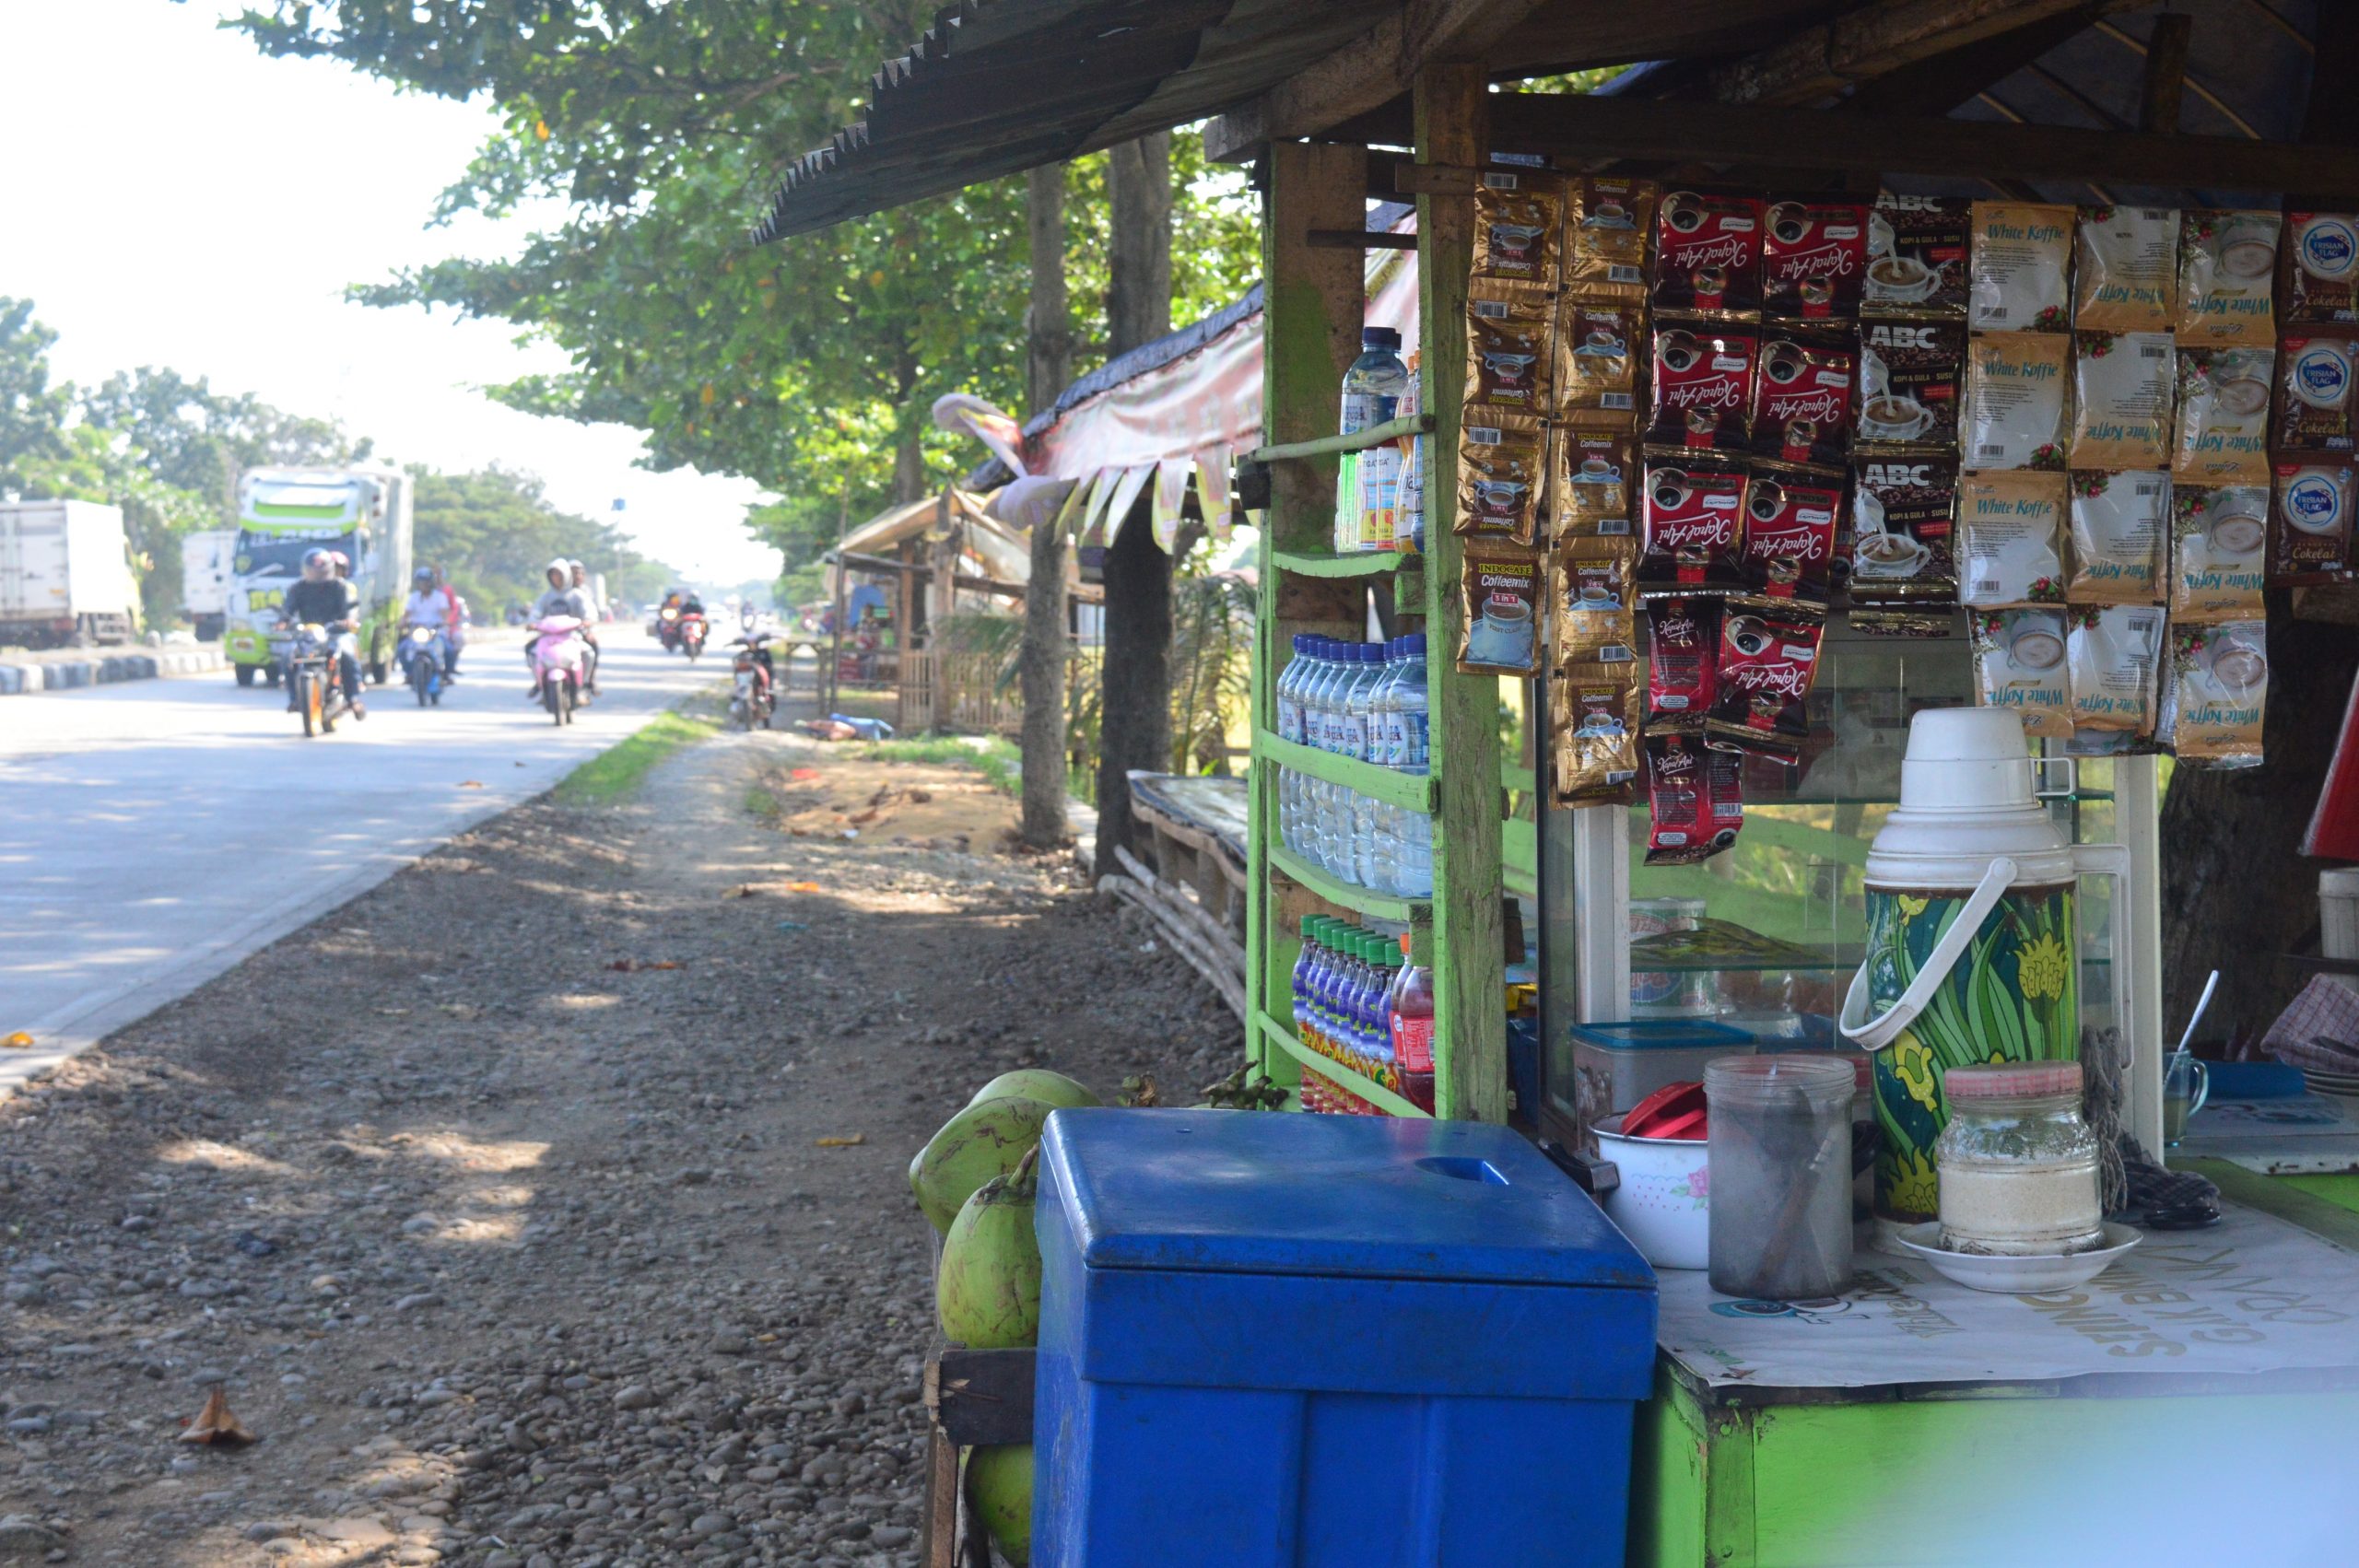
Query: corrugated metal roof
{"type": "Point", "coordinates": [997, 86]}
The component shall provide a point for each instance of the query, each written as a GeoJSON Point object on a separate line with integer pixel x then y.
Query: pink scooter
{"type": "Point", "coordinates": [560, 660]}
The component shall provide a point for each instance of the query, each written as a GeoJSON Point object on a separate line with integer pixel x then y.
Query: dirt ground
{"type": "Point", "coordinates": [496, 1202]}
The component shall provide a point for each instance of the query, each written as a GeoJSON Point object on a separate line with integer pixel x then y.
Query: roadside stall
{"type": "Point", "coordinates": [1875, 464]}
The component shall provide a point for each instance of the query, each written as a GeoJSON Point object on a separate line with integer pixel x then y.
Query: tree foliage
{"type": "Point", "coordinates": [168, 451]}
{"type": "Point", "coordinates": [808, 365]}
{"type": "Point", "coordinates": [494, 531]}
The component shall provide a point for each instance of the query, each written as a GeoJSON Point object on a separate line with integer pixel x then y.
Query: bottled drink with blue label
{"type": "Point", "coordinates": [1368, 483]}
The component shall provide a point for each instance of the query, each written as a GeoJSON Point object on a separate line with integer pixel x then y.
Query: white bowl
{"type": "Point", "coordinates": [1663, 1202]}
{"type": "Point", "coordinates": [2019, 1276]}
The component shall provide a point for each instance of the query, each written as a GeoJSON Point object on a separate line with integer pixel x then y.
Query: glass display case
{"type": "Point", "coordinates": [1765, 936]}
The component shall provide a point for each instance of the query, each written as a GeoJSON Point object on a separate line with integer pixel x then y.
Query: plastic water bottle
{"type": "Point", "coordinates": [1372, 391]}
{"type": "Point", "coordinates": [1412, 873]}
{"type": "Point", "coordinates": [1359, 745]}
{"type": "Point", "coordinates": [1290, 691]}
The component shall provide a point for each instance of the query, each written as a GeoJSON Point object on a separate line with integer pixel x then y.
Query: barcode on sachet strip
{"type": "Point", "coordinates": [1992, 448]}
{"type": "Point", "coordinates": [1481, 436]}
{"type": "Point", "coordinates": [1617, 400]}
{"type": "Point", "coordinates": [1985, 585]}
{"type": "Point", "coordinates": [1620, 273]}
{"type": "Point", "coordinates": [2153, 351]}
{"type": "Point", "coordinates": [2148, 488]}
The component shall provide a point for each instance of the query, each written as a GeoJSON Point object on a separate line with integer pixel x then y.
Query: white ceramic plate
{"type": "Point", "coordinates": [2019, 1276]}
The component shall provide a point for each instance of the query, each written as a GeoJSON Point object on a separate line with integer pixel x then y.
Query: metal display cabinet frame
{"type": "Point", "coordinates": [1315, 302]}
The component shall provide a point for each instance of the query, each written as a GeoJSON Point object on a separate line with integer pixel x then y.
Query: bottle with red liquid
{"type": "Point", "coordinates": [1409, 1017]}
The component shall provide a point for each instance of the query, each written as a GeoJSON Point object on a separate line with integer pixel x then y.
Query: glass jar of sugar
{"type": "Point", "coordinates": [2018, 1165]}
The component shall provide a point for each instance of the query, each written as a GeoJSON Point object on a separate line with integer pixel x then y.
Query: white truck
{"type": "Point", "coordinates": [205, 580]}
{"type": "Point", "coordinates": [65, 575]}
{"type": "Point", "coordinates": [364, 511]}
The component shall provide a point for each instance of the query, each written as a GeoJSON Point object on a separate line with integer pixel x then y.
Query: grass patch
{"type": "Point", "coordinates": [616, 772]}
{"type": "Point", "coordinates": [760, 802]}
{"type": "Point", "coordinates": [997, 760]}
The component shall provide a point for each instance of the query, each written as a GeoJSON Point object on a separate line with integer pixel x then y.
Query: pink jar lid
{"type": "Point", "coordinates": [2013, 1081]}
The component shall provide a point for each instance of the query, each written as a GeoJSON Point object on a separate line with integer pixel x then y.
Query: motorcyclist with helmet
{"type": "Point", "coordinates": [324, 599]}
{"type": "Point", "coordinates": [561, 598]}
{"type": "Point", "coordinates": [429, 605]}
{"type": "Point", "coordinates": [588, 591]}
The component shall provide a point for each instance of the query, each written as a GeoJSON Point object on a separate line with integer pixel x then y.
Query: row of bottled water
{"type": "Point", "coordinates": [1365, 700]}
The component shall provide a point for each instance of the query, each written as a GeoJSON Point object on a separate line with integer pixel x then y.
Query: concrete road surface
{"type": "Point", "coordinates": [152, 835]}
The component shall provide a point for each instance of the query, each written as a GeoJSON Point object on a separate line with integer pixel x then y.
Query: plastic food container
{"type": "Point", "coordinates": [1616, 1065]}
{"type": "Point", "coordinates": [2018, 1165]}
{"type": "Point", "coordinates": [1670, 992]}
{"type": "Point", "coordinates": [1663, 1199]}
{"type": "Point", "coordinates": [1780, 1176]}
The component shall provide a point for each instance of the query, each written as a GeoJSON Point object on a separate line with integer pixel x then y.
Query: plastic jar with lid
{"type": "Point", "coordinates": [2018, 1165]}
{"type": "Point", "coordinates": [1780, 1175]}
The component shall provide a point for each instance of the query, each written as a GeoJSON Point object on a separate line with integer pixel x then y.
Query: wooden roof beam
{"type": "Point", "coordinates": [1581, 125]}
{"type": "Point", "coordinates": [1366, 74]}
{"type": "Point", "coordinates": [1860, 46]}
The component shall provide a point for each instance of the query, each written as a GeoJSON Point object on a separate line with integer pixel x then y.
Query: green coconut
{"type": "Point", "coordinates": [1037, 1083]}
{"type": "Point", "coordinates": [999, 1481]}
{"type": "Point", "coordinates": [987, 1293]}
{"type": "Point", "coordinates": [984, 1140]}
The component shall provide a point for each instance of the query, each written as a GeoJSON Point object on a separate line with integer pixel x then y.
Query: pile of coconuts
{"type": "Point", "coordinates": [975, 1180]}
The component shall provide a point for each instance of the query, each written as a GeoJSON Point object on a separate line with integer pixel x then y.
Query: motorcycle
{"type": "Point", "coordinates": [692, 635]}
{"type": "Point", "coordinates": [668, 628]}
{"type": "Point", "coordinates": [315, 678]}
{"type": "Point", "coordinates": [425, 652]}
{"type": "Point", "coordinates": [753, 701]}
{"type": "Point", "coordinates": [560, 665]}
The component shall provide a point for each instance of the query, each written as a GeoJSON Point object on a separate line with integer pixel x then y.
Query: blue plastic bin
{"type": "Point", "coordinates": [1328, 1343]}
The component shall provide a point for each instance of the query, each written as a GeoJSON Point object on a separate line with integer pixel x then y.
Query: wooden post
{"type": "Point", "coordinates": [1314, 302]}
{"type": "Point", "coordinates": [2166, 80]}
{"type": "Point", "coordinates": [1470, 1052]}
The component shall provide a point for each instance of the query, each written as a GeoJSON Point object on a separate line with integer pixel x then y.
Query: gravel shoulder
{"type": "Point", "coordinates": [496, 1202]}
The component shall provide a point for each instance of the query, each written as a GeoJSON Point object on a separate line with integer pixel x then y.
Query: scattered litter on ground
{"type": "Point", "coordinates": [217, 1425]}
{"type": "Point", "coordinates": [854, 1142]}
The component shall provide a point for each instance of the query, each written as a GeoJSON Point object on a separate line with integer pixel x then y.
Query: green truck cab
{"type": "Point", "coordinates": [282, 513]}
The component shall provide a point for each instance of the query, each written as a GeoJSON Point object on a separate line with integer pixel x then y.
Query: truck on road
{"type": "Point", "coordinates": [363, 510]}
{"type": "Point", "coordinates": [65, 576]}
{"type": "Point", "coordinates": [205, 580]}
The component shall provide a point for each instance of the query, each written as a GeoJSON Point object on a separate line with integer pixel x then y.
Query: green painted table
{"type": "Point", "coordinates": [1739, 1467]}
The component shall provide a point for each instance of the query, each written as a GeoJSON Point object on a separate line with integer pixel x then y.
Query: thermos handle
{"type": "Point", "coordinates": [1874, 1033]}
{"type": "Point", "coordinates": [2071, 777]}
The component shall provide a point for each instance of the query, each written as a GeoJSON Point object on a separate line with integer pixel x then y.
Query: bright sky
{"type": "Point", "coordinates": [177, 199]}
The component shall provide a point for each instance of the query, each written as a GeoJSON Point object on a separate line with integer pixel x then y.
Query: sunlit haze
{"type": "Point", "coordinates": [177, 199]}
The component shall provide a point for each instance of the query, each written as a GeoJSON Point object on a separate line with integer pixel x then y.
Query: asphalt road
{"type": "Point", "coordinates": [154, 833]}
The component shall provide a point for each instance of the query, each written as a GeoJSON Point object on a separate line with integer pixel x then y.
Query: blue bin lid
{"type": "Point", "coordinates": [1264, 1192]}
{"type": "Point", "coordinates": [1661, 1034]}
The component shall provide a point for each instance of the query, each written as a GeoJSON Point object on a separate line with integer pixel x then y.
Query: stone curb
{"type": "Point", "coordinates": [17, 680]}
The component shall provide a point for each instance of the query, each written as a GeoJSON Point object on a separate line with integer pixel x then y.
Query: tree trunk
{"type": "Point", "coordinates": [2236, 889]}
{"type": "Point", "coordinates": [1041, 672]}
{"type": "Point", "coordinates": [1041, 665]}
{"type": "Point", "coordinates": [1138, 285]}
{"type": "Point", "coordinates": [1048, 321]}
{"type": "Point", "coordinates": [1135, 723]}
{"type": "Point", "coordinates": [1135, 726]}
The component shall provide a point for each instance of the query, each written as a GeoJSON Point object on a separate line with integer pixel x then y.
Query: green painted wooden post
{"type": "Point", "coordinates": [1311, 309]}
{"type": "Point", "coordinates": [1471, 1066]}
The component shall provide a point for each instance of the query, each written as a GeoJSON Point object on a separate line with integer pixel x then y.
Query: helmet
{"type": "Point", "coordinates": [340, 561]}
{"type": "Point", "coordinates": [577, 566]}
{"type": "Point", "coordinates": [423, 576]}
{"type": "Point", "coordinates": [318, 564]}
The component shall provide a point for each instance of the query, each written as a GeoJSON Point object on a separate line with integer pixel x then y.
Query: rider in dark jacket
{"type": "Point", "coordinates": [322, 599]}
